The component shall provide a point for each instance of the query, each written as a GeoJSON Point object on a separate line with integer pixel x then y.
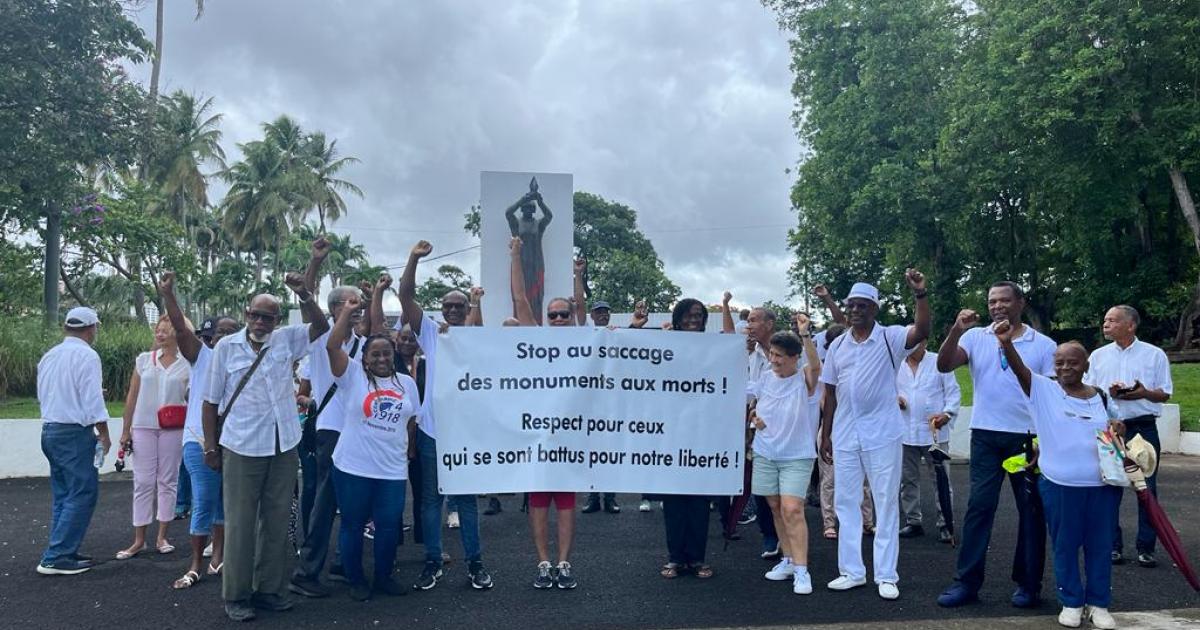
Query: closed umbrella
{"type": "Point", "coordinates": [1141, 460]}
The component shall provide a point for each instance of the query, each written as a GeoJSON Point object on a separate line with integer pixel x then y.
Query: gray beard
{"type": "Point", "coordinates": [257, 338]}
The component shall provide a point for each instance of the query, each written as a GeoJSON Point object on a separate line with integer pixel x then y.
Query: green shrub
{"type": "Point", "coordinates": [23, 341]}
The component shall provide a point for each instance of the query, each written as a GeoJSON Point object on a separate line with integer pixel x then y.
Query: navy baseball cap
{"type": "Point", "coordinates": [208, 327]}
{"type": "Point", "coordinates": [601, 305]}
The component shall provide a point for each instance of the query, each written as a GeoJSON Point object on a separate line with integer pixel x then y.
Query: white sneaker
{"type": "Point", "coordinates": [888, 590]}
{"type": "Point", "coordinates": [452, 520]}
{"type": "Point", "coordinates": [1070, 617]}
{"type": "Point", "coordinates": [802, 582]}
{"type": "Point", "coordinates": [208, 551]}
{"type": "Point", "coordinates": [845, 583]}
{"type": "Point", "coordinates": [1099, 617]}
{"type": "Point", "coordinates": [782, 571]}
{"type": "Point", "coordinates": [644, 506]}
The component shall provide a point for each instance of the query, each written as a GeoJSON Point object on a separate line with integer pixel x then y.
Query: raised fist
{"type": "Point", "coordinates": [422, 249]}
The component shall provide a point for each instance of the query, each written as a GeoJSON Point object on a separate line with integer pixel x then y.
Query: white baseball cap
{"type": "Point", "coordinates": [864, 291]}
{"type": "Point", "coordinates": [81, 317]}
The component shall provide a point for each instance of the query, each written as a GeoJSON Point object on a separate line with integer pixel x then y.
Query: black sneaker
{"type": "Point", "coordinates": [389, 586]}
{"type": "Point", "coordinates": [271, 601]}
{"type": "Point", "coordinates": [493, 507]}
{"type": "Point", "coordinates": [66, 566]}
{"type": "Point", "coordinates": [239, 611]}
{"type": "Point", "coordinates": [429, 577]}
{"type": "Point", "coordinates": [308, 587]}
{"type": "Point", "coordinates": [337, 573]}
{"type": "Point", "coordinates": [1118, 557]}
{"type": "Point", "coordinates": [479, 576]}
{"type": "Point", "coordinates": [544, 579]}
{"type": "Point", "coordinates": [1147, 560]}
{"type": "Point", "coordinates": [360, 592]}
{"type": "Point", "coordinates": [593, 504]}
{"type": "Point", "coordinates": [944, 535]}
{"type": "Point", "coordinates": [563, 577]}
{"type": "Point", "coordinates": [611, 506]}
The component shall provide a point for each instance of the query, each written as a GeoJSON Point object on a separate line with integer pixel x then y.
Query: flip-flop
{"type": "Point", "coordinates": [188, 580]}
{"type": "Point", "coordinates": [215, 570]}
{"type": "Point", "coordinates": [166, 548]}
{"type": "Point", "coordinates": [125, 554]}
{"type": "Point", "coordinates": [670, 571]}
{"type": "Point", "coordinates": [703, 571]}
{"type": "Point", "coordinates": [831, 534]}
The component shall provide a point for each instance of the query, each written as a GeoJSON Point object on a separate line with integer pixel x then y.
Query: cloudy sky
{"type": "Point", "coordinates": [680, 110]}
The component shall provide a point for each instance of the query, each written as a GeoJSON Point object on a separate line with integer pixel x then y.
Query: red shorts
{"type": "Point", "coordinates": [562, 500]}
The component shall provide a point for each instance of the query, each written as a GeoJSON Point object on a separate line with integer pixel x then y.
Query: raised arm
{"type": "Point", "coordinates": [835, 311]}
{"type": "Point", "coordinates": [812, 367]}
{"type": "Point", "coordinates": [1004, 334]}
{"type": "Point", "coordinates": [641, 315]}
{"type": "Point", "coordinates": [511, 214]}
{"type": "Point", "coordinates": [312, 274]}
{"type": "Point", "coordinates": [317, 324]}
{"type": "Point", "coordinates": [475, 315]}
{"type": "Point", "coordinates": [727, 325]}
{"type": "Point", "coordinates": [341, 332]}
{"type": "Point", "coordinates": [411, 313]}
{"type": "Point", "coordinates": [547, 216]}
{"type": "Point", "coordinates": [375, 313]}
{"type": "Point", "coordinates": [516, 281]}
{"type": "Point", "coordinates": [185, 337]}
{"type": "Point", "coordinates": [919, 331]}
{"type": "Point", "coordinates": [951, 356]}
{"type": "Point", "coordinates": [580, 293]}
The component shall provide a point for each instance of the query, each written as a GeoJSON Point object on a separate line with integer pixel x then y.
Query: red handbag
{"type": "Point", "coordinates": [172, 416]}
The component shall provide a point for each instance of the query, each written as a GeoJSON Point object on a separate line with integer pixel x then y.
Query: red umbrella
{"type": "Point", "coordinates": [1158, 518]}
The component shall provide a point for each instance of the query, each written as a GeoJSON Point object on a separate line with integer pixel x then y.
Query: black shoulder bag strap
{"type": "Point", "coordinates": [240, 386]}
{"type": "Point", "coordinates": [333, 386]}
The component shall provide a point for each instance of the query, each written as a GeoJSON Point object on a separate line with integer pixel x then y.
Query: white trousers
{"type": "Point", "coordinates": [881, 467]}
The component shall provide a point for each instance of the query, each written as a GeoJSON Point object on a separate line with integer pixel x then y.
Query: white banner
{"type": "Point", "coordinates": [590, 409]}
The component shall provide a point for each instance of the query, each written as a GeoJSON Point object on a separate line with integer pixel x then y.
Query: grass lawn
{"type": "Point", "coordinates": [1185, 377]}
{"type": "Point", "coordinates": [28, 408]}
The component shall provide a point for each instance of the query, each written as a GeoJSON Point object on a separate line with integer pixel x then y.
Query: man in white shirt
{"type": "Point", "coordinates": [1001, 425]}
{"type": "Point", "coordinates": [318, 525]}
{"type": "Point", "coordinates": [454, 311]}
{"type": "Point", "coordinates": [929, 401]}
{"type": "Point", "coordinates": [255, 447]}
{"type": "Point", "coordinates": [861, 423]}
{"type": "Point", "coordinates": [1137, 377]}
{"type": "Point", "coordinates": [71, 397]}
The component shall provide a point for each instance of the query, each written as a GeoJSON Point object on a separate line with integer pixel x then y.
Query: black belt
{"type": "Point", "coordinates": [1146, 419]}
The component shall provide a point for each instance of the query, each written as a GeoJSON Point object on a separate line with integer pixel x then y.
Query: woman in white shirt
{"type": "Point", "coordinates": [157, 393]}
{"type": "Point", "coordinates": [370, 462]}
{"type": "Point", "coordinates": [785, 445]}
{"type": "Point", "coordinates": [1080, 508]}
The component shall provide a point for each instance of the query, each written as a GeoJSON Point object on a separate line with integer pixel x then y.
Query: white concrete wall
{"type": "Point", "coordinates": [21, 450]}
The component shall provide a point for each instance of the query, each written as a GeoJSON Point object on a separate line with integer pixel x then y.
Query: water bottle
{"type": "Point", "coordinates": [99, 461]}
{"type": "Point", "coordinates": [119, 465]}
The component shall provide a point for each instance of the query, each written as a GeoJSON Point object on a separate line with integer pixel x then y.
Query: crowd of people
{"type": "Point", "coordinates": [841, 418]}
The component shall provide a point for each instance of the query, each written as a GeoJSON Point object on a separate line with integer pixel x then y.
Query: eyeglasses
{"type": "Point", "coordinates": [558, 314]}
{"type": "Point", "coordinates": [454, 305]}
{"type": "Point", "coordinates": [261, 316]}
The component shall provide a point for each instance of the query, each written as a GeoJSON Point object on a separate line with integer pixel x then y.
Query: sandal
{"type": "Point", "coordinates": [166, 548]}
{"type": "Point", "coordinates": [215, 570]}
{"type": "Point", "coordinates": [703, 571]}
{"type": "Point", "coordinates": [188, 580]}
{"type": "Point", "coordinates": [670, 570]}
{"type": "Point", "coordinates": [126, 554]}
{"type": "Point", "coordinates": [830, 533]}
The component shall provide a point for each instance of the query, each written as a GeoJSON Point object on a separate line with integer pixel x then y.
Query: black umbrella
{"type": "Point", "coordinates": [945, 502]}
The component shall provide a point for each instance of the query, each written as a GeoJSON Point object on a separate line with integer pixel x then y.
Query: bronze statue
{"type": "Point", "coordinates": [530, 230]}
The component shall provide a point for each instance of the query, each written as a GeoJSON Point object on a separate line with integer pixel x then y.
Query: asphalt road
{"type": "Point", "coordinates": [617, 562]}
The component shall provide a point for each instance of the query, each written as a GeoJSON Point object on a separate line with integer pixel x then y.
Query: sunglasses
{"type": "Point", "coordinates": [261, 316]}
{"type": "Point", "coordinates": [559, 314]}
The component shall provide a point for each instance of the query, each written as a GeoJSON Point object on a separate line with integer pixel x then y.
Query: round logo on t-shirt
{"type": "Point", "coordinates": [384, 405]}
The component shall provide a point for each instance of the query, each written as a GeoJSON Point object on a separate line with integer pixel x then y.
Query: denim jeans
{"type": "Point", "coordinates": [431, 508]}
{"type": "Point", "coordinates": [362, 499]}
{"type": "Point", "coordinates": [1081, 518]}
{"type": "Point", "coordinates": [208, 507]}
{"type": "Point", "coordinates": [71, 450]}
{"type": "Point", "coordinates": [989, 449]}
{"type": "Point", "coordinates": [1144, 426]}
{"type": "Point", "coordinates": [183, 492]}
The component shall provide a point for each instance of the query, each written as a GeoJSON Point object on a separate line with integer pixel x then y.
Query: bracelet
{"type": "Point", "coordinates": [212, 450]}
{"type": "Point", "coordinates": [306, 298]}
{"type": "Point", "coordinates": [474, 304]}
{"type": "Point", "coordinates": [921, 295]}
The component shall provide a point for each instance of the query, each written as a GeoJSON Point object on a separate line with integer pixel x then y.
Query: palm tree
{"type": "Point", "coordinates": [257, 211]}
{"type": "Point", "coordinates": [188, 137]}
{"type": "Point", "coordinates": [322, 158]}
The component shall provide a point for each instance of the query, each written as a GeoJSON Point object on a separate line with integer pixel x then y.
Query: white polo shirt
{"type": "Point", "coordinates": [1066, 428]}
{"type": "Point", "coordinates": [1139, 362]}
{"type": "Point", "coordinates": [267, 405]}
{"type": "Point", "coordinates": [864, 374]}
{"type": "Point", "coordinates": [999, 403]}
{"type": "Point", "coordinates": [319, 374]}
{"type": "Point", "coordinates": [70, 386]}
{"type": "Point", "coordinates": [927, 392]}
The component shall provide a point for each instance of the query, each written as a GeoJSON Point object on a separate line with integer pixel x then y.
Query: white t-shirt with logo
{"type": "Point", "coordinates": [374, 438]}
{"type": "Point", "coordinates": [1066, 429]}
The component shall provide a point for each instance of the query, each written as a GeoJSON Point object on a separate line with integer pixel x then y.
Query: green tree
{"type": "Point", "coordinates": [448, 278]}
{"type": "Point", "coordinates": [187, 138]}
